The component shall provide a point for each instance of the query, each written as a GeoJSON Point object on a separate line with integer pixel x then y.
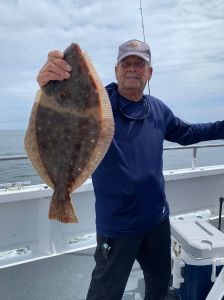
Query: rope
{"type": "Point", "coordinates": [143, 28]}
{"type": "Point", "coordinates": [143, 32]}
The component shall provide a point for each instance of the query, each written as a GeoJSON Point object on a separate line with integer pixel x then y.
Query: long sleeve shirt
{"type": "Point", "coordinates": [128, 183]}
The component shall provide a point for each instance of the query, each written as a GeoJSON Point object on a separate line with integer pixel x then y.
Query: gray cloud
{"type": "Point", "coordinates": [186, 39]}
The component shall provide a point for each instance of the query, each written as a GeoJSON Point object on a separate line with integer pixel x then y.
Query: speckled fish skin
{"type": "Point", "coordinates": [71, 127]}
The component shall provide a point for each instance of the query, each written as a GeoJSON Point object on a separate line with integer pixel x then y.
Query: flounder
{"type": "Point", "coordinates": [70, 130]}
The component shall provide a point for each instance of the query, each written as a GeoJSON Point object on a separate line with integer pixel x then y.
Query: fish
{"type": "Point", "coordinates": [70, 129]}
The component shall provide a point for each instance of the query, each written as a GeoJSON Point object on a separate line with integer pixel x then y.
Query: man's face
{"type": "Point", "coordinates": [133, 73]}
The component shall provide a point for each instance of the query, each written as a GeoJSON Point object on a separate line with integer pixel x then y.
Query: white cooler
{"type": "Point", "coordinates": [197, 253]}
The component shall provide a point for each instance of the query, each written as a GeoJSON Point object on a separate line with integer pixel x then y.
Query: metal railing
{"type": "Point", "coordinates": [13, 157]}
{"type": "Point", "coordinates": [194, 150]}
{"type": "Point", "coordinates": [193, 147]}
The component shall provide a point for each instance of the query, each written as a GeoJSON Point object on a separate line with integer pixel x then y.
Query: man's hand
{"type": "Point", "coordinates": [56, 68]}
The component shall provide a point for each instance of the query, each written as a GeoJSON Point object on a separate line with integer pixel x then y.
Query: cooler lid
{"type": "Point", "coordinates": [198, 237]}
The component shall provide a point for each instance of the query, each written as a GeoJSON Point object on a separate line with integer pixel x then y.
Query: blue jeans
{"type": "Point", "coordinates": [151, 249]}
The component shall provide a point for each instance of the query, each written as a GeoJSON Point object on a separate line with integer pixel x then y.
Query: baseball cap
{"type": "Point", "coordinates": [134, 47]}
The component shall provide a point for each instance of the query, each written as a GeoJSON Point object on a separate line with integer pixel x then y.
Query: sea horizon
{"type": "Point", "coordinates": [12, 143]}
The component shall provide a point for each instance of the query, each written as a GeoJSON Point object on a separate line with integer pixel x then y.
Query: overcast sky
{"type": "Point", "coordinates": [186, 38]}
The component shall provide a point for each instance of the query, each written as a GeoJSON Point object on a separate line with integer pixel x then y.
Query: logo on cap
{"type": "Point", "coordinates": [134, 44]}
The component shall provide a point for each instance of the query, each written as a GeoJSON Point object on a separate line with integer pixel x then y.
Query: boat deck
{"type": "Point", "coordinates": [64, 277]}
{"type": "Point", "coordinates": [24, 224]}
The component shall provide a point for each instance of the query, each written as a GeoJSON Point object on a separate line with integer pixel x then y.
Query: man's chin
{"type": "Point", "coordinates": [132, 86]}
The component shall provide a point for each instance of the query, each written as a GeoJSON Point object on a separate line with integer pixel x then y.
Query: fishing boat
{"type": "Point", "coordinates": [44, 259]}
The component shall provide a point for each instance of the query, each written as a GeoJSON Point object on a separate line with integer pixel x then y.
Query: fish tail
{"type": "Point", "coordinates": [63, 211]}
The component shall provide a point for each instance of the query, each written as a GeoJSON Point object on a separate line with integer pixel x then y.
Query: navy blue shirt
{"type": "Point", "coordinates": [129, 183]}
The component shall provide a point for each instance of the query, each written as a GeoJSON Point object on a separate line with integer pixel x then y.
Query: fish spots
{"type": "Point", "coordinates": [64, 99]}
{"type": "Point", "coordinates": [67, 141]}
{"type": "Point", "coordinates": [53, 87]}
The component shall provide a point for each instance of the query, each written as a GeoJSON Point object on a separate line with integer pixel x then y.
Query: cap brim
{"type": "Point", "coordinates": [146, 58]}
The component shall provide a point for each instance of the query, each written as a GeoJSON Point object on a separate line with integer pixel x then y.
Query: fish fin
{"type": "Point", "coordinates": [62, 211]}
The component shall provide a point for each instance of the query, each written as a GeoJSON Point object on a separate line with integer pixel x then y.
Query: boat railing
{"type": "Point", "coordinates": [27, 234]}
{"type": "Point", "coordinates": [194, 149]}
{"type": "Point", "coordinates": [13, 157]}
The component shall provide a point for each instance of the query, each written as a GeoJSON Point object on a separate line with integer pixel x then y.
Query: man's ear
{"type": "Point", "coordinates": [115, 70]}
{"type": "Point", "coordinates": [150, 73]}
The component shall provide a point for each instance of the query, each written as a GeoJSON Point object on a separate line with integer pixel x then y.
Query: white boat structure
{"type": "Point", "coordinates": [27, 235]}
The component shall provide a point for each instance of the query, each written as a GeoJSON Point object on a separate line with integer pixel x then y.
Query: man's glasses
{"type": "Point", "coordinates": [131, 114]}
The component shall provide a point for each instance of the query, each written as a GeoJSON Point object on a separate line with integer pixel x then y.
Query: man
{"type": "Point", "coordinates": [132, 214]}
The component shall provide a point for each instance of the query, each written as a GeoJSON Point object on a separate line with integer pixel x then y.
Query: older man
{"type": "Point", "coordinates": [132, 214]}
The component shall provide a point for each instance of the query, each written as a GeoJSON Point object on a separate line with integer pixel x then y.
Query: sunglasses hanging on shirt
{"type": "Point", "coordinates": [134, 110]}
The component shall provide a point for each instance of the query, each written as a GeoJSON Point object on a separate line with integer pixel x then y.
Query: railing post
{"type": "Point", "coordinates": [194, 157]}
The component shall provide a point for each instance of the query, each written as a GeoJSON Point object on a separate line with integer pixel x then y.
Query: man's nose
{"type": "Point", "coordinates": [132, 67]}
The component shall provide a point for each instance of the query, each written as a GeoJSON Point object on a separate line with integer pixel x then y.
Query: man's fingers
{"type": "Point", "coordinates": [61, 63]}
{"type": "Point", "coordinates": [45, 76]}
{"type": "Point", "coordinates": [56, 68]}
{"type": "Point", "coordinates": [51, 73]}
{"type": "Point", "coordinates": [56, 54]}
{"type": "Point", "coordinates": [56, 57]}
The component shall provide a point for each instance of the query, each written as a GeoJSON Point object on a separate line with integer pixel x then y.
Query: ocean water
{"type": "Point", "coordinates": [11, 143]}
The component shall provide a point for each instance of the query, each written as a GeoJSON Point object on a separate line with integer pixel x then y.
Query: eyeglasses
{"type": "Point", "coordinates": [144, 113]}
